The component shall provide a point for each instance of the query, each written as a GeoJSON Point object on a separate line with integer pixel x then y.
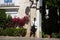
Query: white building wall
{"type": "Point", "coordinates": [39, 21]}
{"type": "Point", "coordinates": [23, 4]}
{"type": "Point", "coordinates": [1, 1]}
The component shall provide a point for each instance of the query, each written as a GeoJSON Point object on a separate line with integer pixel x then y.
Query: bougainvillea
{"type": "Point", "coordinates": [20, 21]}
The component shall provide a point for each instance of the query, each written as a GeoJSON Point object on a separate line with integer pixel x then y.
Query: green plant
{"type": "Point", "coordinates": [13, 32]}
{"type": "Point", "coordinates": [23, 32]}
{"type": "Point", "coordinates": [1, 31]}
{"type": "Point", "coordinates": [2, 18]}
{"type": "Point", "coordinates": [8, 32]}
{"type": "Point", "coordinates": [54, 35]}
{"type": "Point", "coordinates": [8, 21]}
{"type": "Point", "coordinates": [43, 34]}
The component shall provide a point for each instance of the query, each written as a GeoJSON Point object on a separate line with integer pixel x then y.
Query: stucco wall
{"type": "Point", "coordinates": [23, 4]}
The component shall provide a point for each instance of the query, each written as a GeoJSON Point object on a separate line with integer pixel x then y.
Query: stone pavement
{"type": "Point", "coordinates": [25, 38]}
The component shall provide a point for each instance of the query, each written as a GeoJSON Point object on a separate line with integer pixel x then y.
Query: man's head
{"type": "Point", "coordinates": [34, 19]}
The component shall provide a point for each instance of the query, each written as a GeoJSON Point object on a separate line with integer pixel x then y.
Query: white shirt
{"type": "Point", "coordinates": [33, 23]}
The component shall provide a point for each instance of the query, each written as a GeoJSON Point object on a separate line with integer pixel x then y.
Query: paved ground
{"type": "Point", "coordinates": [25, 38]}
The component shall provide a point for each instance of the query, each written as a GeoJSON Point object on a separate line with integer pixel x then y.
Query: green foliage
{"type": "Point", "coordinates": [13, 32]}
{"type": "Point", "coordinates": [2, 14]}
{"type": "Point", "coordinates": [5, 21]}
{"type": "Point", "coordinates": [1, 31]}
{"type": "Point", "coordinates": [23, 32]}
{"type": "Point", "coordinates": [8, 21]}
{"type": "Point", "coordinates": [53, 3]}
{"type": "Point", "coordinates": [58, 36]}
{"type": "Point", "coordinates": [2, 18]}
{"type": "Point", "coordinates": [54, 35]}
{"type": "Point", "coordinates": [50, 25]}
{"type": "Point", "coordinates": [43, 34]}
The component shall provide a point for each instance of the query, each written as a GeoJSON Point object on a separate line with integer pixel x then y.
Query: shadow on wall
{"type": "Point", "coordinates": [27, 10]}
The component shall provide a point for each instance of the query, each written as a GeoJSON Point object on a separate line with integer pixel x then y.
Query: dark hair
{"type": "Point", "coordinates": [36, 0]}
{"type": "Point", "coordinates": [34, 19]}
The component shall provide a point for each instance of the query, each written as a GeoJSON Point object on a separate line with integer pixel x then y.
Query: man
{"type": "Point", "coordinates": [33, 28]}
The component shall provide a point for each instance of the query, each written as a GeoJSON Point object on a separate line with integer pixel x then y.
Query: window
{"type": "Point", "coordinates": [12, 12]}
{"type": "Point", "coordinates": [7, 1]}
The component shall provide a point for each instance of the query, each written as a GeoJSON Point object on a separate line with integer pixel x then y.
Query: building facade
{"type": "Point", "coordinates": [14, 7]}
{"type": "Point", "coordinates": [17, 8]}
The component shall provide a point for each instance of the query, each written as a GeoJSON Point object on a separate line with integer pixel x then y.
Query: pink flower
{"type": "Point", "coordinates": [20, 21]}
